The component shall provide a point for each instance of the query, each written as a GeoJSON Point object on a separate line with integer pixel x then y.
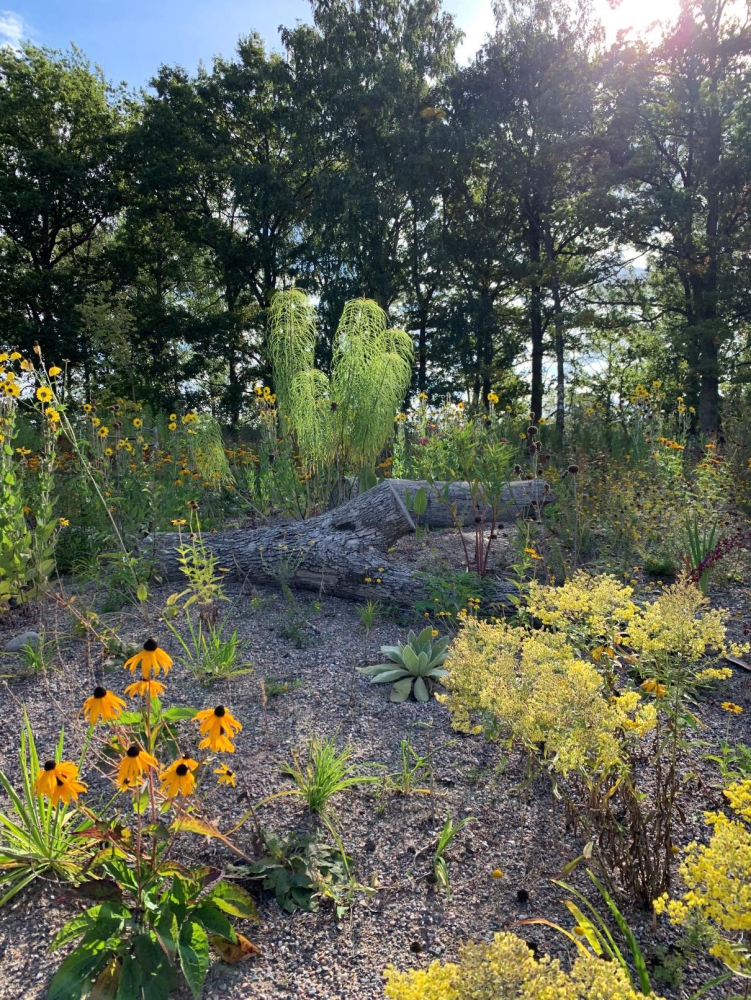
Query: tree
{"type": "Point", "coordinates": [61, 187]}
{"type": "Point", "coordinates": [680, 148]}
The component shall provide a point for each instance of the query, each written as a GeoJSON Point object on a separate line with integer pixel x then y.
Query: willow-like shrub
{"type": "Point", "coordinates": [600, 696]}
{"type": "Point", "coordinates": [507, 968]}
{"type": "Point", "coordinates": [343, 420]}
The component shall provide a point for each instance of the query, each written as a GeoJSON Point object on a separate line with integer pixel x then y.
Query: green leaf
{"type": "Point", "coordinates": [72, 981]}
{"type": "Point", "coordinates": [210, 917]}
{"type": "Point", "coordinates": [421, 691]}
{"type": "Point", "coordinates": [400, 691]}
{"type": "Point", "coordinates": [177, 712]}
{"type": "Point", "coordinates": [156, 972]}
{"type": "Point", "coordinates": [233, 899]}
{"type": "Point", "coordinates": [193, 947]}
{"type": "Point", "coordinates": [131, 979]}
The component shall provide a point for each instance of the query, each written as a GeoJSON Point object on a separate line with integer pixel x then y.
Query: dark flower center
{"type": "Point", "coordinates": [100, 692]}
{"type": "Point", "coordinates": [182, 770]}
{"type": "Point", "coordinates": [219, 711]}
{"type": "Point", "coordinates": [133, 751]}
{"type": "Point", "coordinates": [150, 645]}
{"type": "Point", "coordinates": [49, 765]}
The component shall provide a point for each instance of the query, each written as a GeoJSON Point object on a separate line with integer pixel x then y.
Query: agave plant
{"type": "Point", "coordinates": [417, 662]}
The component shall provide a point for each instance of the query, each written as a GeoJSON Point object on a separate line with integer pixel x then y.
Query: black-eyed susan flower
{"type": "Point", "coordinates": [145, 689]}
{"type": "Point", "coordinates": [178, 778]}
{"type": "Point", "coordinates": [218, 727]}
{"type": "Point", "coordinates": [151, 660]}
{"type": "Point", "coordinates": [730, 706]}
{"type": "Point", "coordinates": [104, 705]}
{"type": "Point", "coordinates": [134, 764]}
{"type": "Point", "coordinates": [225, 776]}
{"type": "Point", "coordinates": [137, 422]}
{"type": "Point", "coordinates": [44, 394]}
{"type": "Point", "coordinates": [103, 432]}
{"type": "Point", "coordinates": [58, 781]}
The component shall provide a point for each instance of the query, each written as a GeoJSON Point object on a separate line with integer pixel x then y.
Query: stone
{"type": "Point", "coordinates": [16, 644]}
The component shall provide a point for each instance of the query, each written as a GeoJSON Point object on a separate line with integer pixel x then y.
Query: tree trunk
{"type": "Point", "coordinates": [344, 551]}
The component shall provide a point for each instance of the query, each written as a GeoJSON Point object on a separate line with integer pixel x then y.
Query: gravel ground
{"type": "Point", "coordinates": [407, 922]}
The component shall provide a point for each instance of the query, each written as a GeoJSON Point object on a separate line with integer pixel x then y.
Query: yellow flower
{"type": "Point", "coordinates": [15, 356]}
{"type": "Point", "coordinates": [148, 688]}
{"type": "Point", "coordinates": [104, 705]}
{"type": "Point", "coordinates": [137, 422]}
{"type": "Point", "coordinates": [219, 727]}
{"type": "Point", "coordinates": [497, 873]}
{"type": "Point", "coordinates": [26, 365]}
{"type": "Point", "coordinates": [225, 776]}
{"type": "Point", "coordinates": [135, 763]}
{"type": "Point", "coordinates": [95, 421]}
{"type": "Point", "coordinates": [3, 357]}
{"type": "Point", "coordinates": [179, 520]}
{"type": "Point", "coordinates": [492, 398]}
{"type": "Point", "coordinates": [178, 779]}
{"type": "Point", "coordinates": [64, 522]}
{"type": "Point", "coordinates": [173, 416]}
{"type": "Point", "coordinates": [58, 781]}
{"type": "Point", "coordinates": [172, 425]}
{"type": "Point", "coordinates": [44, 394]}
{"type": "Point", "coordinates": [108, 452]}
{"type": "Point", "coordinates": [151, 659]}
{"type": "Point", "coordinates": [730, 706]}
{"type": "Point", "coordinates": [87, 407]}
{"type": "Point", "coordinates": [103, 432]}
{"type": "Point", "coordinates": [55, 371]}
{"type": "Point", "coordinates": [11, 389]}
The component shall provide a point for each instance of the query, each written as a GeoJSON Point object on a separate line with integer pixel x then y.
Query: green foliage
{"type": "Point", "coordinates": [414, 665]}
{"type": "Point", "coordinates": [369, 613]}
{"type": "Point", "coordinates": [344, 421]}
{"type": "Point", "coordinates": [700, 540]}
{"type": "Point", "coordinates": [208, 654]}
{"type": "Point", "coordinates": [136, 939]}
{"type": "Point", "coordinates": [320, 772]}
{"type": "Point", "coordinates": [445, 839]}
{"type": "Point", "coordinates": [300, 870]}
{"type": "Point", "coordinates": [37, 839]}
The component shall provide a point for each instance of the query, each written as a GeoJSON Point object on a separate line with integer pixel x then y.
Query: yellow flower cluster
{"type": "Point", "coordinates": [587, 609]}
{"type": "Point", "coordinates": [718, 880]}
{"type": "Point", "coordinates": [533, 683]}
{"type": "Point", "coordinates": [508, 968]}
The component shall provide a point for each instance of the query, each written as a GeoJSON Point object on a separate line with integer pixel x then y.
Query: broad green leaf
{"type": "Point", "coordinates": [233, 899]}
{"type": "Point", "coordinates": [193, 948]}
{"type": "Point", "coordinates": [400, 691]}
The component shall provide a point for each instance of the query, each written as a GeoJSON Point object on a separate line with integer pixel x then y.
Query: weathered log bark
{"type": "Point", "coordinates": [343, 552]}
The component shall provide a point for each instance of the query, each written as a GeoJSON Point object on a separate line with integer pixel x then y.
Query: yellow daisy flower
{"type": "Point", "coordinates": [134, 764]}
{"type": "Point", "coordinates": [219, 727]}
{"type": "Point", "coordinates": [178, 779]}
{"type": "Point", "coordinates": [104, 705]}
{"type": "Point", "coordinates": [44, 394]}
{"type": "Point", "coordinates": [225, 776]}
{"type": "Point", "coordinates": [149, 688]}
{"type": "Point", "coordinates": [55, 371]}
{"type": "Point", "coordinates": [151, 659]}
{"type": "Point", "coordinates": [58, 781]}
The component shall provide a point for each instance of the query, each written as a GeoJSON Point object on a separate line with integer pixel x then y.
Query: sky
{"type": "Point", "coordinates": [130, 39]}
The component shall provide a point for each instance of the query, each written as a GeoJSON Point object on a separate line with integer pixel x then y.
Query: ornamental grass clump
{"type": "Point", "coordinates": [600, 697]}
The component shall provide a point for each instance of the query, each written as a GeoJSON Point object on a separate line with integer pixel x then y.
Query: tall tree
{"type": "Point", "coordinates": [61, 136]}
{"type": "Point", "coordinates": [681, 150]}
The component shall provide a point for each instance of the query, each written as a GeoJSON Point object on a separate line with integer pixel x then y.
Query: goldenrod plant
{"type": "Point", "coordinates": [507, 967]}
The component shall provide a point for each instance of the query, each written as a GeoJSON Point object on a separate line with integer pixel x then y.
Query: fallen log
{"type": "Point", "coordinates": [344, 551]}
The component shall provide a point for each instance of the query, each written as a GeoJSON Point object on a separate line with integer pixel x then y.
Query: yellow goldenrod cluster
{"type": "Point", "coordinates": [507, 968]}
{"type": "Point", "coordinates": [718, 880]}
{"type": "Point", "coordinates": [587, 609]}
{"type": "Point", "coordinates": [541, 692]}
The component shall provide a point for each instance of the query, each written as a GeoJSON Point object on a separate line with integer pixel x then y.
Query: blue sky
{"type": "Point", "coordinates": [130, 39]}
